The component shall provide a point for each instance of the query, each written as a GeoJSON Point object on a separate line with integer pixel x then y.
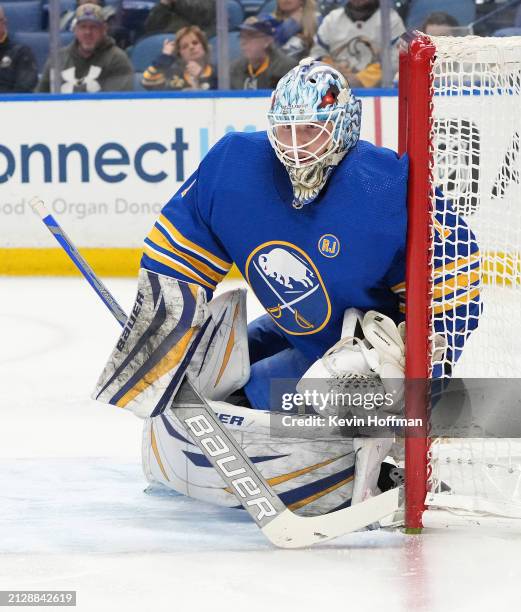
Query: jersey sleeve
{"type": "Point", "coordinates": [456, 300]}
{"type": "Point", "coordinates": [182, 244]}
{"type": "Point", "coordinates": [456, 292]}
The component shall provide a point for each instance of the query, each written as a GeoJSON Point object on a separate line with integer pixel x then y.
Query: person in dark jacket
{"type": "Point", "coordinates": [172, 15]}
{"type": "Point", "coordinates": [183, 64]}
{"type": "Point", "coordinates": [18, 71]}
{"type": "Point", "coordinates": [262, 65]}
{"type": "Point", "coordinates": [92, 62]}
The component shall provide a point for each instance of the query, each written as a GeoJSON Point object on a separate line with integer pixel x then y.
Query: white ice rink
{"type": "Point", "coordinates": [74, 514]}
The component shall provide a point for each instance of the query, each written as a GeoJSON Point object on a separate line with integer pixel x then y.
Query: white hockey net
{"type": "Point", "coordinates": [476, 159]}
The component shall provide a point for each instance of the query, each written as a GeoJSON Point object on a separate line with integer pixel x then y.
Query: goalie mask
{"type": "Point", "coordinates": [314, 120]}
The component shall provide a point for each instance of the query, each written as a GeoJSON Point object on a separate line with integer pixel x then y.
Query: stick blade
{"type": "Point", "coordinates": [289, 530]}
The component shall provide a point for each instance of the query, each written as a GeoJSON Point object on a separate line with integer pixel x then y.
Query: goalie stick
{"type": "Point", "coordinates": [279, 524]}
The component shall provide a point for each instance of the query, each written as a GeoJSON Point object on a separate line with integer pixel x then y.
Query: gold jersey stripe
{"type": "Point", "coordinates": [464, 279]}
{"type": "Point", "coordinates": [157, 237]}
{"type": "Point", "coordinates": [458, 301]}
{"type": "Point", "coordinates": [398, 288]}
{"type": "Point", "coordinates": [455, 265]}
{"type": "Point", "coordinates": [442, 231]}
{"type": "Point", "coordinates": [178, 237]}
{"type": "Point", "coordinates": [166, 261]}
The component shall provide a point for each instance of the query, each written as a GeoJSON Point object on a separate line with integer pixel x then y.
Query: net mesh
{"type": "Point", "coordinates": [476, 262]}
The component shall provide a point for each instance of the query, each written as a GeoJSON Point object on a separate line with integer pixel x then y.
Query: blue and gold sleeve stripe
{"type": "Point", "coordinates": [449, 287]}
{"type": "Point", "coordinates": [177, 239]}
{"type": "Point", "coordinates": [175, 267]}
{"type": "Point", "coordinates": [461, 264]}
{"type": "Point", "coordinates": [399, 290]}
{"type": "Point", "coordinates": [457, 284]}
{"type": "Point", "coordinates": [458, 303]}
{"type": "Point", "coordinates": [158, 239]}
{"type": "Point", "coordinates": [166, 245]}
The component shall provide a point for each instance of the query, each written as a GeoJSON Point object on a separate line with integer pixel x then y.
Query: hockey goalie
{"type": "Point", "coordinates": [315, 220]}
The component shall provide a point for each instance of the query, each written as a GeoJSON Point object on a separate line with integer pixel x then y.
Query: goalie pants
{"type": "Point", "coordinates": [276, 366]}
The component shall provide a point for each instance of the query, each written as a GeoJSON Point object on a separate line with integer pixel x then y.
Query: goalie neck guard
{"type": "Point", "coordinates": [314, 120]}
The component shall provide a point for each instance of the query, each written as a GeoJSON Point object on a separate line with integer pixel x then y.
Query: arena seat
{"type": "Point", "coordinates": [65, 6]}
{"type": "Point", "coordinates": [235, 14]}
{"type": "Point", "coordinates": [233, 46]}
{"type": "Point", "coordinates": [145, 51]}
{"type": "Point", "coordinates": [251, 7]}
{"type": "Point", "coordinates": [23, 16]}
{"type": "Point", "coordinates": [39, 44]}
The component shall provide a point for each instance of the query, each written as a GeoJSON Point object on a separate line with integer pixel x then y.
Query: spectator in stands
{"type": "Point", "coordinates": [183, 64]}
{"type": "Point", "coordinates": [67, 18]}
{"type": "Point", "coordinates": [114, 28]}
{"type": "Point", "coordinates": [297, 28]}
{"type": "Point", "coordinates": [172, 15]}
{"type": "Point", "coordinates": [464, 11]}
{"type": "Point", "coordinates": [439, 24]}
{"type": "Point", "coordinates": [349, 38]}
{"type": "Point", "coordinates": [18, 72]}
{"type": "Point", "coordinates": [262, 64]}
{"type": "Point", "coordinates": [92, 62]}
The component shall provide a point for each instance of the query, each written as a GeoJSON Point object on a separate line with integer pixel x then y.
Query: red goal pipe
{"type": "Point", "coordinates": [415, 123]}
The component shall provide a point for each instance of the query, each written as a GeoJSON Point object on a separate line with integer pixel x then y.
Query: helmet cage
{"type": "Point", "coordinates": [331, 121]}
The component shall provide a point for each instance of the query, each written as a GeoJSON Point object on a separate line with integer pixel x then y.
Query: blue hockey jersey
{"type": "Point", "coordinates": [305, 266]}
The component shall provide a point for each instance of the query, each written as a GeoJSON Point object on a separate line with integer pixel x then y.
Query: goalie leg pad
{"type": "Point", "coordinates": [311, 476]}
{"type": "Point", "coordinates": [370, 452]}
{"type": "Point", "coordinates": [154, 349]}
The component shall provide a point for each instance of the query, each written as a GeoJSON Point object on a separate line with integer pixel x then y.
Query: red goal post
{"type": "Point", "coordinates": [415, 120]}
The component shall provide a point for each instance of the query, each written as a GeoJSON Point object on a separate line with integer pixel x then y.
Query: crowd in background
{"type": "Point", "coordinates": [124, 45]}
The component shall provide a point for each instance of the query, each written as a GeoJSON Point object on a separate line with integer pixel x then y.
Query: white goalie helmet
{"type": "Point", "coordinates": [314, 120]}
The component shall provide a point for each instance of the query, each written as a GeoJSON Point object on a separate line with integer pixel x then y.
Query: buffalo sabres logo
{"type": "Point", "coordinates": [289, 287]}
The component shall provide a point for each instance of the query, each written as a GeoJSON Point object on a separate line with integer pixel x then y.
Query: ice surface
{"type": "Point", "coordinates": [74, 514]}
